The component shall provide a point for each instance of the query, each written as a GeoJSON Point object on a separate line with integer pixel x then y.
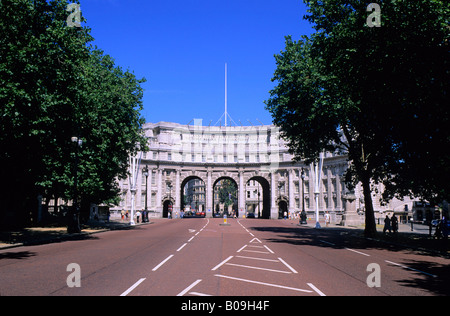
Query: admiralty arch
{"type": "Point", "coordinates": [254, 158]}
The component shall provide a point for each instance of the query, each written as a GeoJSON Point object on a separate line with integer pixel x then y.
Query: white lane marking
{"type": "Point", "coordinates": [257, 240]}
{"type": "Point", "coordinates": [189, 288]}
{"type": "Point", "coordinates": [135, 285]}
{"type": "Point", "coordinates": [256, 251]}
{"type": "Point", "coordinates": [164, 261]}
{"type": "Point", "coordinates": [222, 263]}
{"type": "Point", "coordinates": [261, 259]}
{"type": "Point", "coordinates": [289, 267]}
{"type": "Point", "coordinates": [179, 249]}
{"type": "Point", "coordinates": [257, 268]}
{"type": "Point", "coordinates": [263, 283]}
{"type": "Point", "coordinates": [242, 248]}
{"type": "Point", "coordinates": [268, 249]}
{"type": "Point", "coordinates": [316, 289]}
{"type": "Point", "coordinates": [191, 238]}
{"type": "Point", "coordinates": [199, 294]}
{"type": "Point", "coordinates": [327, 242]}
{"type": "Point", "coordinates": [361, 253]}
{"type": "Point", "coordinates": [406, 267]}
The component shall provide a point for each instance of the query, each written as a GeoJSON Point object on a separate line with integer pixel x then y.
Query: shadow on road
{"type": "Point", "coordinates": [341, 238]}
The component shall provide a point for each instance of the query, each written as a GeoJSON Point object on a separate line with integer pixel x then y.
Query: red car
{"type": "Point", "coordinates": [200, 214]}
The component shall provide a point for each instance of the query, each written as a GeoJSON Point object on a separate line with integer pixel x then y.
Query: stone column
{"type": "Point", "coordinates": [273, 197]}
{"type": "Point", "coordinates": [291, 191]}
{"type": "Point", "coordinates": [177, 205]}
{"type": "Point", "coordinates": [350, 217]}
{"type": "Point", "coordinates": [209, 195]}
{"type": "Point", "coordinates": [241, 204]}
{"type": "Point", "coordinates": [159, 207]}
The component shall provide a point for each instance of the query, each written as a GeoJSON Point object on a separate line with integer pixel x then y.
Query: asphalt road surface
{"type": "Point", "coordinates": [200, 257]}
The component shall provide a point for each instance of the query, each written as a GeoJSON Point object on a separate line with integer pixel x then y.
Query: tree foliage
{"type": "Point", "coordinates": [379, 93]}
{"type": "Point", "coordinates": [55, 85]}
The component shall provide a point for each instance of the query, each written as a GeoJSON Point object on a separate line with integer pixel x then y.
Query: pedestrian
{"type": "Point", "coordinates": [138, 215]}
{"type": "Point", "coordinates": [327, 219]}
{"type": "Point", "coordinates": [444, 227]}
{"type": "Point", "coordinates": [394, 222]}
{"type": "Point", "coordinates": [387, 225]}
{"type": "Point", "coordinates": [285, 215]}
{"type": "Point", "coordinates": [123, 214]}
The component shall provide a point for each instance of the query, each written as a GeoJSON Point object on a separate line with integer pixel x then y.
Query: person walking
{"type": "Point", "coordinates": [327, 219]}
{"type": "Point", "coordinates": [387, 225]}
{"type": "Point", "coordinates": [394, 223]}
{"type": "Point", "coordinates": [138, 215]}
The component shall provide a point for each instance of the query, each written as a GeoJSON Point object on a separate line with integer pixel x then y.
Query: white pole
{"type": "Point", "coordinates": [318, 178]}
{"type": "Point", "coordinates": [226, 96]}
{"type": "Point", "coordinates": [134, 169]}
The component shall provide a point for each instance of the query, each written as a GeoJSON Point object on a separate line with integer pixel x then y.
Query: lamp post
{"type": "Point", "coordinates": [318, 180]}
{"type": "Point", "coordinates": [145, 174]}
{"type": "Point", "coordinates": [74, 214]}
{"type": "Point", "coordinates": [303, 214]}
{"type": "Point", "coordinates": [134, 167]}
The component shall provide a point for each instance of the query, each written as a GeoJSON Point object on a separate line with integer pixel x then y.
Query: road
{"type": "Point", "coordinates": [200, 257]}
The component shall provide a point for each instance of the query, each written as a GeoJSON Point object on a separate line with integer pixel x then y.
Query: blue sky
{"type": "Point", "coordinates": [181, 48]}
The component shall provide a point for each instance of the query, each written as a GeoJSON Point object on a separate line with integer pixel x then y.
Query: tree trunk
{"type": "Point", "coordinates": [371, 228]}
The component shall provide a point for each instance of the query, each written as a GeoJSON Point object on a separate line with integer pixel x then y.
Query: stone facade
{"type": "Point", "coordinates": [255, 158]}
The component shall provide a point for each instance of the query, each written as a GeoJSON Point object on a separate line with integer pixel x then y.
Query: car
{"type": "Point", "coordinates": [200, 214]}
{"type": "Point", "coordinates": [251, 215]}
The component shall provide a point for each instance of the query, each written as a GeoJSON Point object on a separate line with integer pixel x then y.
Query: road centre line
{"type": "Point", "coordinates": [222, 263]}
{"type": "Point", "coordinates": [257, 268]}
{"type": "Point", "coordinates": [135, 285]}
{"type": "Point", "coordinates": [361, 253]}
{"type": "Point", "coordinates": [242, 248]}
{"type": "Point", "coordinates": [406, 267]}
{"type": "Point", "coordinates": [164, 261]}
{"type": "Point", "coordinates": [263, 283]}
{"type": "Point", "coordinates": [189, 288]}
{"type": "Point", "coordinates": [191, 238]}
{"type": "Point", "coordinates": [179, 249]}
{"type": "Point", "coordinates": [289, 267]}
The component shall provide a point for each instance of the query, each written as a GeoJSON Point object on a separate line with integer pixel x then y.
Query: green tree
{"type": "Point", "coordinates": [227, 193]}
{"type": "Point", "coordinates": [54, 85]}
{"type": "Point", "coordinates": [368, 91]}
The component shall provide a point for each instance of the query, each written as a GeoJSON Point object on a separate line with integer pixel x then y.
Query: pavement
{"type": "Point", "coordinates": [42, 235]}
{"type": "Point", "coordinates": [199, 257]}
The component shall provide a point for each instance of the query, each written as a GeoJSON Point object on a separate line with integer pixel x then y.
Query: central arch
{"type": "Point", "coordinates": [223, 204]}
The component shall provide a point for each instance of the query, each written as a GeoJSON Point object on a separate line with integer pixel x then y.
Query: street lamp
{"type": "Point", "coordinates": [145, 174]}
{"type": "Point", "coordinates": [74, 214]}
{"type": "Point", "coordinates": [318, 180]}
{"type": "Point", "coordinates": [134, 164]}
{"type": "Point", "coordinates": [303, 214]}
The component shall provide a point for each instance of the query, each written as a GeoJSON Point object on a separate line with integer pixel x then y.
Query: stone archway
{"type": "Point", "coordinates": [264, 195]}
{"type": "Point", "coordinates": [283, 211]}
{"type": "Point", "coordinates": [220, 208]}
{"type": "Point", "coordinates": [196, 195]}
